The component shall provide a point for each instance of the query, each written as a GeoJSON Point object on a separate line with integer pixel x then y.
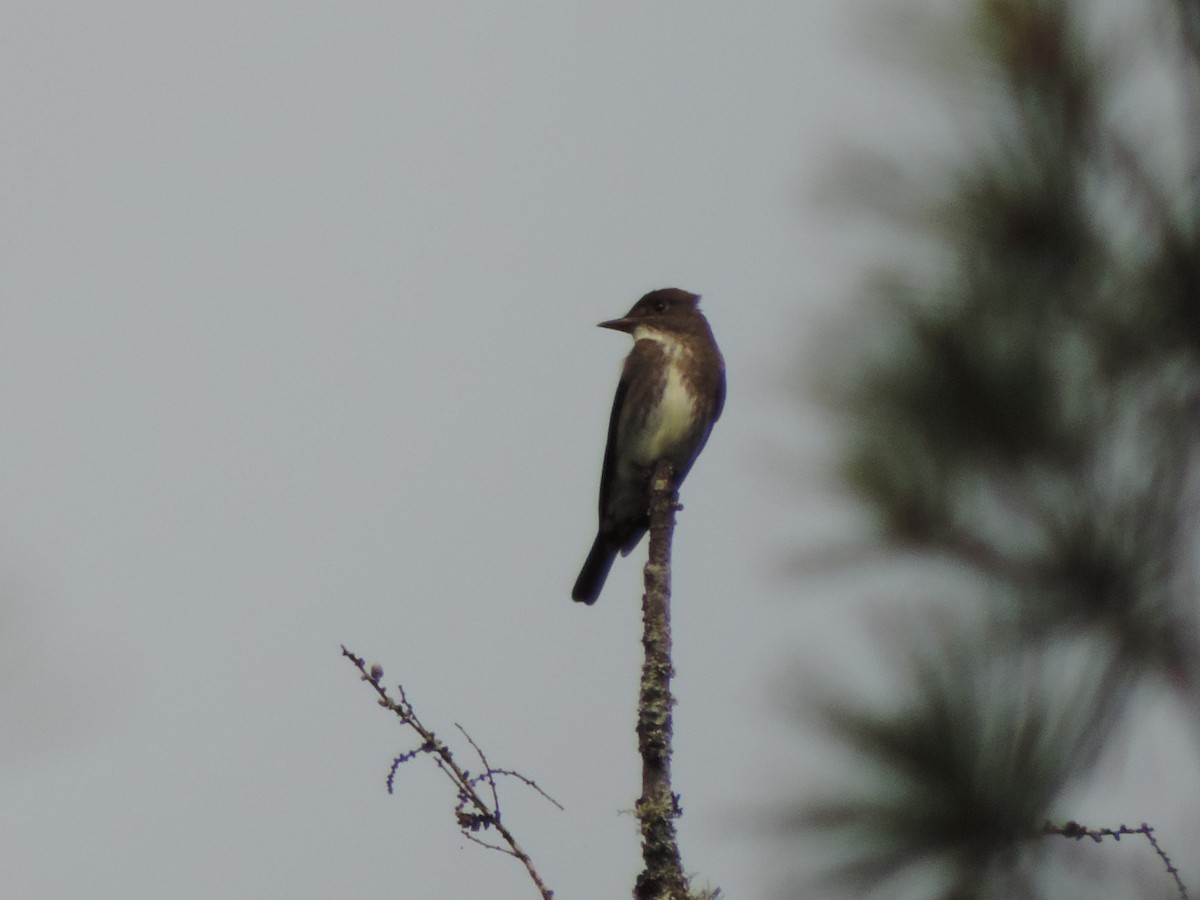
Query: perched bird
{"type": "Point", "coordinates": [671, 392]}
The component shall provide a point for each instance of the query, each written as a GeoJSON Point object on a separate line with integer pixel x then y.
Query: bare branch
{"type": "Point", "coordinates": [472, 811]}
{"type": "Point", "coordinates": [1078, 832]}
{"type": "Point", "coordinates": [487, 772]}
{"type": "Point", "coordinates": [658, 807]}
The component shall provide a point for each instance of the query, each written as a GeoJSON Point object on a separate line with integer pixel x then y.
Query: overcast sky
{"type": "Point", "coordinates": [299, 349]}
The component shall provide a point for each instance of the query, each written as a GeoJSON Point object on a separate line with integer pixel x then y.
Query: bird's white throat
{"type": "Point", "coordinates": [672, 422]}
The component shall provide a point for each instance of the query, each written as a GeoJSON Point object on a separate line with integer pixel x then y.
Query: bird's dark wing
{"type": "Point", "coordinates": [644, 356]}
{"type": "Point", "coordinates": [608, 471]}
{"type": "Point", "coordinates": [719, 401]}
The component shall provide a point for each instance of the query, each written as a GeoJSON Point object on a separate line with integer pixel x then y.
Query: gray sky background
{"type": "Point", "coordinates": [298, 348]}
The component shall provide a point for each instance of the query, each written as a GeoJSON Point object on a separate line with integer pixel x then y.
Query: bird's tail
{"type": "Point", "coordinates": [595, 570]}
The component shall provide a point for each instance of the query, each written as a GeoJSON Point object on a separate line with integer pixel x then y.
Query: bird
{"type": "Point", "coordinates": [671, 391]}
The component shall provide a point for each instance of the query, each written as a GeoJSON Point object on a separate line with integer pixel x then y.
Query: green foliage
{"type": "Point", "coordinates": [962, 773]}
{"type": "Point", "coordinates": [1025, 400]}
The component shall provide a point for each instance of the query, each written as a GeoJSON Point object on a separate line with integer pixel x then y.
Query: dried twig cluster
{"type": "Point", "coordinates": [478, 806]}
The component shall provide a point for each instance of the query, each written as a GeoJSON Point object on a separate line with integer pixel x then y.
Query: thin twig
{"type": "Point", "coordinates": [482, 843]}
{"type": "Point", "coordinates": [1078, 832]}
{"type": "Point", "coordinates": [529, 782]}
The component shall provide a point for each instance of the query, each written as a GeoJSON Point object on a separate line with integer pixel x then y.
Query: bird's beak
{"type": "Point", "coordinates": [625, 325]}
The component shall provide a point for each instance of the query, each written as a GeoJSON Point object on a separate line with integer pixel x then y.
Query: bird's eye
{"type": "Point", "coordinates": [660, 306]}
